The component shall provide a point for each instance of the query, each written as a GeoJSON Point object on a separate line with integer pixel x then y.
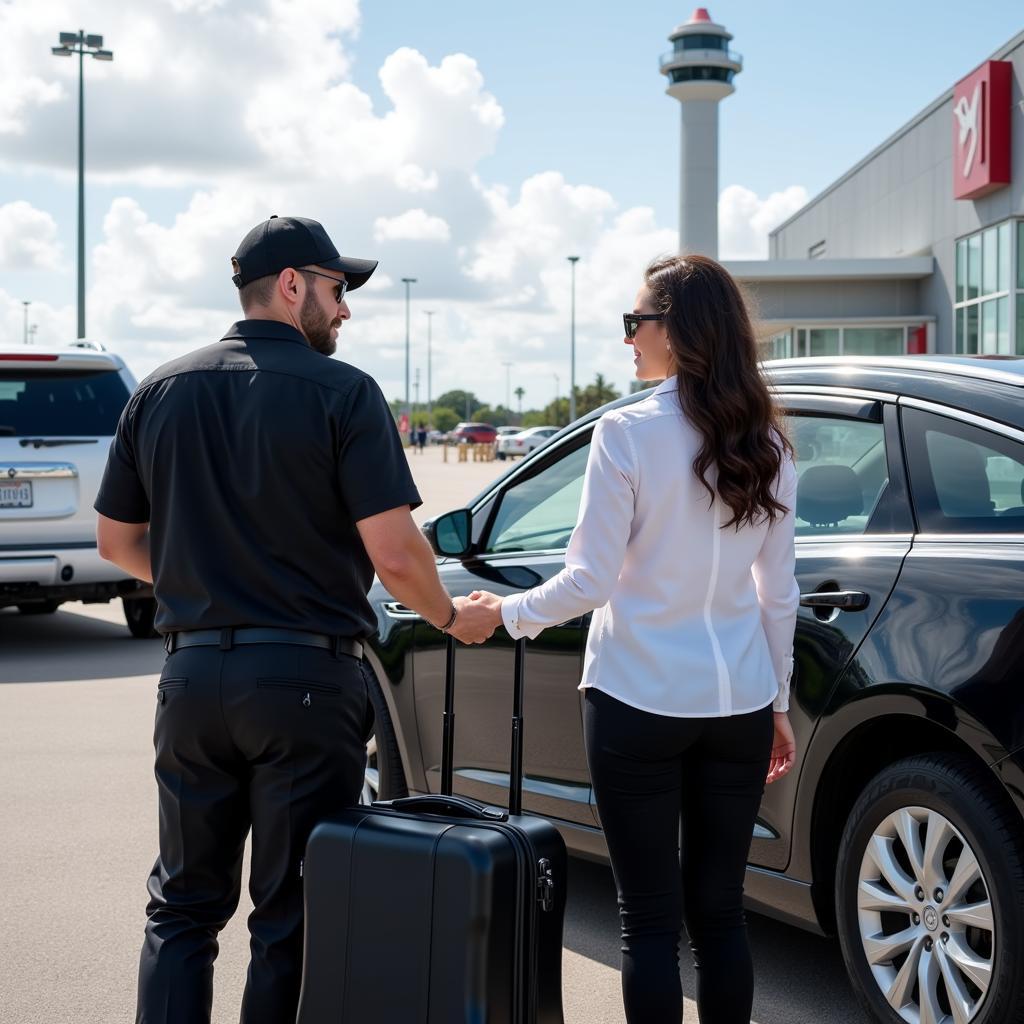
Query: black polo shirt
{"type": "Point", "coordinates": [252, 460]}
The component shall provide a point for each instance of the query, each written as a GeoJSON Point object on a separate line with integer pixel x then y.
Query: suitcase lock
{"type": "Point", "coordinates": [545, 884]}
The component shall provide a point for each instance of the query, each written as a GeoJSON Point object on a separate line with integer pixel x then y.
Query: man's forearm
{"type": "Point", "coordinates": [413, 580]}
{"type": "Point", "coordinates": [133, 558]}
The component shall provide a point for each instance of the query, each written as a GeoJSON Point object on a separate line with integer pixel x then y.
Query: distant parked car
{"type": "Point", "coordinates": [59, 409]}
{"type": "Point", "coordinates": [436, 437]}
{"type": "Point", "coordinates": [474, 433]}
{"type": "Point", "coordinates": [523, 442]}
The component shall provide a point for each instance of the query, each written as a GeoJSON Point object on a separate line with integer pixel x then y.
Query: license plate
{"type": "Point", "coordinates": [15, 495]}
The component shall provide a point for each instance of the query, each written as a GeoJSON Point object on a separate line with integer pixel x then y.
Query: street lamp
{"type": "Point", "coordinates": [407, 281]}
{"type": "Point", "coordinates": [558, 388]}
{"type": "Point", "coordinates": [573, 260]}
{"type": "Point", "coordinates": [82, 44]}
{"type": "Point", "coordinates": [26, 303]}
{"type": "Point", "coordinates": [508, 386]}
{"type": "Point", "coordinates": [430, 402]}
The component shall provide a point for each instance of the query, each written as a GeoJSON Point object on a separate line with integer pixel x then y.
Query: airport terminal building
{"type": "Point", "coordinates": [917, 249]}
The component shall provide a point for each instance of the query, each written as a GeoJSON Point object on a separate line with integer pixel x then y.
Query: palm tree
{"type": "Point", "coordinates": [519, 392]}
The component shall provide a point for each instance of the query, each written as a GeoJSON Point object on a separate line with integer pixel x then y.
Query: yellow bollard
{"type": "Point", "coordinates": [445, 454]}
{"type": "Point", "coordinates": [463, 452]}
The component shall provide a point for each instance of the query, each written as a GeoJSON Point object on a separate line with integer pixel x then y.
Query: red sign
{"type": "Point", "coordinates": [403, 424]}
{"type": "Point", "coordinates": [981, 130]}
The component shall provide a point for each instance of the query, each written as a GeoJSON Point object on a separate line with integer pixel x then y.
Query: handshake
{"type": "Point", "coordinates": [477, 617]}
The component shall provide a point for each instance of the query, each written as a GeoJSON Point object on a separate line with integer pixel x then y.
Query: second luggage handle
{"type": "Point", "coordinates": [515, 787]}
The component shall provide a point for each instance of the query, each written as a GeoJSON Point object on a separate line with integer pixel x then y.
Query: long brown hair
{"type": "Point", "coordinates": [721, 387]}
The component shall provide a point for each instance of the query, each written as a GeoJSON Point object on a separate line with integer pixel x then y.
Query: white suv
{"type": "Point", "coordinates": [59, 409]}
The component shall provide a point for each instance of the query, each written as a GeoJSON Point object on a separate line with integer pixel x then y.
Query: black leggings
{"type": "Point", "coordinates": [646, 769]}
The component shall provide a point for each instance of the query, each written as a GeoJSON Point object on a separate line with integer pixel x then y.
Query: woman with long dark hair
{"type": "Point", "coordinates": [684, 546]}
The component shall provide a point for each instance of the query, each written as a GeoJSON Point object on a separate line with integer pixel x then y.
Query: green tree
{"type": "Point", "coordinates": [445, 419]}
{"type": "Point", "coordinates": [498, 417]}
{"type": "Point", "coordinates": [458, 400]}
{"type": "Point", "coordinates": [519, 392]}
{"type": "Point", "coordinates": [593, 396]}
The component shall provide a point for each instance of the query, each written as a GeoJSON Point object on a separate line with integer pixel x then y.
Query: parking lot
{"type": "Point", "coordinates": [78, 814]}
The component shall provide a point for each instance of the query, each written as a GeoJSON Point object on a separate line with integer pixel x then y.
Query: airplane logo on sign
{"type": "Point", "coordinates": [967, 118]}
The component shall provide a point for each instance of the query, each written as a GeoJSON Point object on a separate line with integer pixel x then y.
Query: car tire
{"type": "Point", "coordinates": [385, 777]}
{"type": "Point", "coordinates": [501, 456]}
{"type": "Point", "coordinates": [929, 889]}
{"type": "Point", "coordinates": [139, 613]}
{"type": "Point", "coordinates": [38, 607]}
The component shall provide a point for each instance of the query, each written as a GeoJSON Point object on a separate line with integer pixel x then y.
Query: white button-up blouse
{"type": "Point", "coordinates": [692, 620]}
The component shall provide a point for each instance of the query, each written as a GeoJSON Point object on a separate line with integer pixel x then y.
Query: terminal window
{"type": "Point", "coordinates": [989, 294]}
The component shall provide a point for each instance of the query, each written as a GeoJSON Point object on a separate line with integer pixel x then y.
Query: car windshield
{"type": "Point", "coordinates": [71, 403]}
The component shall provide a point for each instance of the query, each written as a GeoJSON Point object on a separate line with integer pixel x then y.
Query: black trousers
{"type": "Point", "coordinates": [267, 736]}
{"type": "Point", "coordinates": [647, 770]}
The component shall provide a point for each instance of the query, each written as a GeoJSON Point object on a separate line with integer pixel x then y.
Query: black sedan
{"type": "Point", "coordinates": [902, 827]}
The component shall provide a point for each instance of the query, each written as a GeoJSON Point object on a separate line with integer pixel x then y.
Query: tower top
{"type": "Point", "coordinates": [701, 14]}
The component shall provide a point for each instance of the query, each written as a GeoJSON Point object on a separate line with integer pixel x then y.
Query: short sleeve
{"type": "Point", "coordinates": [122, 496]}
{"type": "Point", "coordinates": [373, 472]}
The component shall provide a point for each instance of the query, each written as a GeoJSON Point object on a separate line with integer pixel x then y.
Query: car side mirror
{"type": "Point", "coordinates": [449, 535]}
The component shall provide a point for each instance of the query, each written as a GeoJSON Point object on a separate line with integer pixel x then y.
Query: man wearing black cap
{"type": "Point", "coordinates": [258, 485]}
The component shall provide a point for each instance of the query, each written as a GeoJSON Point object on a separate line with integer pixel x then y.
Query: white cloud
{"type": "Point", "coordinates": [411, 226]}
{"type": "Point", "coordinates": [744, 219]}
{"type": "Point", "coordinates": [301, 138]}
{"type": "Point", "coordinates": [28, 238]}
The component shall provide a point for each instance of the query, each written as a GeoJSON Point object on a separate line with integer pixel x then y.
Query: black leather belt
{"type": "Point", "coordinates": [230, 637]}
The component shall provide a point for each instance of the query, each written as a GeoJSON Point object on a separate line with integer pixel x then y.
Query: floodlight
{"type": "Point", "coordinates": [60, 51]}
{"type": "Point", "coordinates": [94, 41]}
{"type": "Point", "coordinates": [68, 38]}
{"type": "Point", "coordinates": [104, 54]}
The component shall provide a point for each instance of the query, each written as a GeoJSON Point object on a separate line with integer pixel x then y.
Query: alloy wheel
{"type": "Point", "coordinates": [926, 920]}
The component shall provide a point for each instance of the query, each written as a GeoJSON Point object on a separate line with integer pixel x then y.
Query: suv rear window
{"type": "Point", "coordinates": [66, 403]}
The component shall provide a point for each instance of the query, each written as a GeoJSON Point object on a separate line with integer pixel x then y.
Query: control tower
{"type": "Point", "coordinates": [700, 69]}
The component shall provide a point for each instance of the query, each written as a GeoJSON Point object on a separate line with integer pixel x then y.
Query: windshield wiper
{"type": "Point", "coordinates": [54, 442]}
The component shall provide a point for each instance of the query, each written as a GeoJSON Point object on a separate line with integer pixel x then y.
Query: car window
{"type": "Point", "coordinates": [842, 471]}
{"type": "Point", "coordinates": [964, 479]}
{"type": "Point", "coordinates": [540, 513]}
{"type": "Point", "coordinates": [73, 403]}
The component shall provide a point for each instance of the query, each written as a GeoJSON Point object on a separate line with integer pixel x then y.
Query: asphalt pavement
{"type": "Point", "coordinates": [78, 832]}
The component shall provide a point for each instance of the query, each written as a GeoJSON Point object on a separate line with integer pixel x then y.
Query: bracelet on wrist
{"type": "Point", "coordinates": [451, 619]}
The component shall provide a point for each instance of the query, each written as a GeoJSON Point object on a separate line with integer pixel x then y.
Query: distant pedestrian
{"type": "Point", "coordinates": [421, 438]}
{"type": "Point", "coordinates": [258, 485]}
{"type": "Point", "coordinates": [684, 546]}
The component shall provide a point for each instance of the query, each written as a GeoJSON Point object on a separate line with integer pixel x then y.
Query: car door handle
{"type": "Point", "coordinates": [847, 600]}
{"type": "Point", "coordinates": [399, 611]}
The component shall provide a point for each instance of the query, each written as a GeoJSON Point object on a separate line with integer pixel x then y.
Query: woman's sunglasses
{"type": "Point", "coordinates": [340, 287]}
{"type": "Point", "coordinates": [631, 321]}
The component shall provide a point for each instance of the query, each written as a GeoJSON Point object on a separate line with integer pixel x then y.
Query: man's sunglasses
{"type": "Point", "coordinates": [340, 287]}
{"type": "Point", "coordinates": [631, 322]}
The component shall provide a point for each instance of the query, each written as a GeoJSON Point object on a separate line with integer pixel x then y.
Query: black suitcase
{"type": "Point", "coordinates": [436, 909]}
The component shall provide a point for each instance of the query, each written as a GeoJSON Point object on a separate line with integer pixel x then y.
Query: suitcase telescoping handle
{"type": "Point", "coordinates": [515, 788]}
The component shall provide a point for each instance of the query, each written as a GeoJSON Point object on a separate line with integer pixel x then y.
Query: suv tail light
{"type": "Point", "coordinates": [27, 357]}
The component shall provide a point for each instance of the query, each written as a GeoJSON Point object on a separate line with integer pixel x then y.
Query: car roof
{"type": "Point", "coordinates": [71, 357]}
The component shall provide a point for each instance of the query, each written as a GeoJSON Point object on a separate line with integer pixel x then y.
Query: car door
{"type": "Point", "coordinates": [520, 544]}
{"type": "Point", "coordinates": [853, 531]}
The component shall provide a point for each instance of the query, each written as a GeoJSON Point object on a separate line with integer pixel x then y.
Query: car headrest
{"type": "Point", "coordinates": [826, 495]}
{"type": "Point", "coordinates": [958, 469]}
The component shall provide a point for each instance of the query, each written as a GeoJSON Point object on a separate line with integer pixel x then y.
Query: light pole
{"type": "Point", "coordinates": [26, 303]}
{"type": "Point", "coordinates": [70, 43]}
{"type": "Point", "coordinates": [407, 281]}
{"type": "Point", "coordinates": [508, 386]}
{"type": "Point", "coordinates": [573, 260]}
{"type": "Point", "coordinates": [32, 332]}
{"type": "Point", "coordinates": [417, 386]}
{"type": "Point", "coordinates": [430, 401]}
{"type": "Point", "coordinates": [558, 388]}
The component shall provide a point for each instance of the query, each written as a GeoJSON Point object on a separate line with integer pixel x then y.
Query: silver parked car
{"type": "Point", "coordinates": [523, 442]}
{"type": "Point", "coordinates": [59, 409]}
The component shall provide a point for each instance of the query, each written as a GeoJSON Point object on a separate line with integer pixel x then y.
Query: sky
{"type": "Point", "coordinates": [471, 145]}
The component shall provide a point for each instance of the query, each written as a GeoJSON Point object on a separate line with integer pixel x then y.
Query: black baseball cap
{"type": "Point", "coordinates": [282, 242]}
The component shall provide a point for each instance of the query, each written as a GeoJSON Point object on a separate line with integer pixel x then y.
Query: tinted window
{"type": "Point", "coordinates": [964, 479]}
{"type": "Point", "coordinates": [842, 471]}
{"type": "Point", "coordinates": [540, 513]}
{"type": "Point", "coordinates": [69, 403]}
